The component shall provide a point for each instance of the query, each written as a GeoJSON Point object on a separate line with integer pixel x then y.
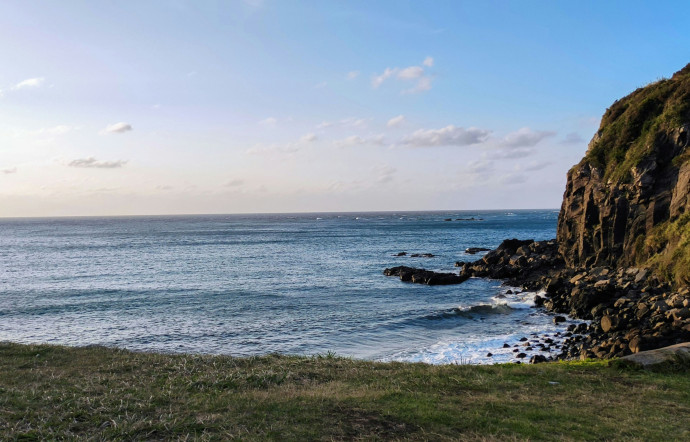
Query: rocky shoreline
{"type": "Point", "coordinates": [626, 309]}
{"type": "Point", "coordinates": [625, 217]}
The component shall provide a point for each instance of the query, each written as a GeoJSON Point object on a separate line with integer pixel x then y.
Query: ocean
{"type": "Point", "coordinates": [244, 285]}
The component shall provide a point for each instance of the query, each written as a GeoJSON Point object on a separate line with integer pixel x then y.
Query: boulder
{"type": "Point", "coordinates": [610, 323]}
{"type": "Point", "coordinates": [537, 359]}
{"type": "Point", "coordinates": [673, 356]}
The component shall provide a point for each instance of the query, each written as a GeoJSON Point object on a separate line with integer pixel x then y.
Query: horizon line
{"type": "Point", "coordinates": [274, 213]}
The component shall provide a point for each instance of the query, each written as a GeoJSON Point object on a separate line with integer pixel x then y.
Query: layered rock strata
{"type": "Point", "coordinates": [633, 180]}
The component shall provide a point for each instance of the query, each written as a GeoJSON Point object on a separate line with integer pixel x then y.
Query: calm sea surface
{"type": "Point", "coordinates": [256, 284]}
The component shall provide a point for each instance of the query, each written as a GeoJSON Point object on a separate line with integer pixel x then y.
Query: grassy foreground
{"type": "Point", "coordinates": [50, 392]}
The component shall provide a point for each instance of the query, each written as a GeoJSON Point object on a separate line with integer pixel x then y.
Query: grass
{"type": "Point", "coordinates": [50, 392]}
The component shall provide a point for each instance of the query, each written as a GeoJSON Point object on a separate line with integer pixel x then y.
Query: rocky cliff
{"type": "Point", "coordinates": [627, 202]}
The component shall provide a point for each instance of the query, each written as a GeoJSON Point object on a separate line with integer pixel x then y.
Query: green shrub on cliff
{"type": "Point", "coordinates": [631, 125]}
{"type": "Point", "coordinates": [669, 249]}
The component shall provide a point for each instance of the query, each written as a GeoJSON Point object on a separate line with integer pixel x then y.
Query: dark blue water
{"type": "Point", "coordinates": [256, 284]}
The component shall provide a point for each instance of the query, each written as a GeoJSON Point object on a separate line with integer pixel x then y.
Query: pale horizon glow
{"type": "Point", "coordinates": [186, 107]}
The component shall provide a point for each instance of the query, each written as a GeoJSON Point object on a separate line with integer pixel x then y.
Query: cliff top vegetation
{"type": "Point", "coordinates": [630, 126]}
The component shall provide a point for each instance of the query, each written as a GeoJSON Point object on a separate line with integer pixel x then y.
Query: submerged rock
{"type": "Point", "coordinates": [475, 250]}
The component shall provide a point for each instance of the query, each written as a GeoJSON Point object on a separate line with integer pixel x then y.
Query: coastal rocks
{"type": "Point", "coordinates": [537, 359]}
{"type": "Point", "coordinates": [632, 183]}
{"type": "Point", "coordinates": [422, 276]}
{"type": "Point", "coordinates": [475, 250]}
{"type": "Point", "coordinates": [414, 255]}
{"type": "Point", "coordinates": [623, 224]}
{"type": "Point", "coordinates": [629, 314]}
{"type": "Point", "coordinates": [627, 309]}
{"type": "Point", "coordinates": [672, 356]}
{"type": "Point", "coordinates": [521, 262]}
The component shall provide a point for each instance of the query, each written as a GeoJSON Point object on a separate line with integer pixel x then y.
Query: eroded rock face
{"type": "Point", "coordinates": [605, 223]}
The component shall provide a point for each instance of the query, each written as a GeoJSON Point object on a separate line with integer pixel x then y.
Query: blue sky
{"type": "Point", "coordinates": [157, 107]}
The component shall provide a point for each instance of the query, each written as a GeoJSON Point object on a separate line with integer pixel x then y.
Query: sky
{"type": "Point", "coordinates": [184, 107]}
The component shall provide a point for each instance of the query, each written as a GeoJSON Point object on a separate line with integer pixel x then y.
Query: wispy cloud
{"type": "Point", "coordinates": [384, 173]}
{"type": "Point", "coordinates": [235, 183]}
{"type": "Point", "coordinates": [308, 138]}
{"type": "Point", "coordinates": [287, 148]}
{"type": "Point", "coordinates": [526, 137]}
{"type": "Point", "coordinates": [446, 136]}
{"type": "Point", "coordinates": [356, 140]}
{"type": "Point", "coordinates": [410, 73]}
{"type": "Point", "coordinates": [480, 166]}
{"type": "Point", "coordinates": [93, 163]}
{"type": "Point", "coordinates": [512, 178]}
{"type": "Point", "coordinates": [321, 85]}
{"type": "Point", "coordinates": [9, 170]}
{"type": "Point", "coordinates": [378, 80]}
{"type": "Point", "coordinates": [270, 121]}
{"type": "Point", "coordinates": [534, 166]}
{"type": "Point", "coordinates": [511, 154]}
{"type": "Point", "coordinates": [353, 140]}
{"type": "Point", "coordinates": [396, 121]}
{"type": "Point", "coordinates": [29, 83]}
{"type": "Point", "coordinates": [56, 130]}
{"type": "Point", "coordinates": [118, 128]}
{"type": "Point", "coordinates": [352, 75]}
{"type": "Point", "coordinates": [423, 85]}
{"type": "Point", "coordinates": [572, 138]}
{"type": "Point", "coordinates": [350, 122]}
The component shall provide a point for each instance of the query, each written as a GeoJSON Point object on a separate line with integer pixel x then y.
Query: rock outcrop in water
{"type": "Point", "coordinates": [422, 276]}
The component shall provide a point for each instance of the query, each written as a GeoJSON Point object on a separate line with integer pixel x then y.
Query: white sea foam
{"type": "Point", "coordinates": [476, 349]}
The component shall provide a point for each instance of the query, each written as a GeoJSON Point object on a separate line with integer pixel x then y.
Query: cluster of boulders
{"type": "Point", "coordinates": [627, 309]}
{"type": "Point", "coordinates": [521, 262]}
{"type": "Point", "coordinates": [422, 276]}
{"type": "Point", "coordinates": [630, 311]}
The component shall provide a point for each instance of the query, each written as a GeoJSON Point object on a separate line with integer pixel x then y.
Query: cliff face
{"type": "Point", "coordinates": [627, 202]}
